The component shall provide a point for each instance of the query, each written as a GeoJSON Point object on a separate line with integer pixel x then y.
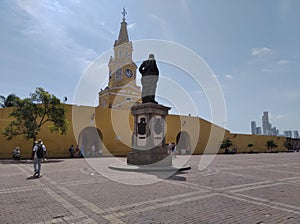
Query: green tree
{"type": "Point", "coordinates": [226, 144]}
{"type": "Point", "coordinates": [32, 113]}
{"type": "Point", "coordinates": [10, 101]}
{"type": "Point", "coordinates": [271, 144]}
{"type": "Point", "coordinates": [288, 145]}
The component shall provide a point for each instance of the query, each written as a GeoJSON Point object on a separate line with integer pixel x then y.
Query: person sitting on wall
{"type": "Point", "coordinates": [150, 74]}
{"type": "Point", "coordinates": [17, 153]}
{"type": "Point", "coordinates": [77, 151]}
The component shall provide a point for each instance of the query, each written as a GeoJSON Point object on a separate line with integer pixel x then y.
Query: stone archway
{"type": "Point", "coordinates": [90, 142]}
{"type": "Point", "coordinates": [183, 143]}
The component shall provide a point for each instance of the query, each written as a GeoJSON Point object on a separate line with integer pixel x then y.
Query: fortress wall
{"type": "Point", "coordinates": [116, 126]}
{"type": "Point", "coordinates": [57, 145]}
{"type": "Point", "coordinates": [259, 142]}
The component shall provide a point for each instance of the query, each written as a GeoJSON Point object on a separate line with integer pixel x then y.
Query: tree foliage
{"type": "Point", "coordinates": [32, 113]}
{"type": "Point", "coordinates": [288, 145]}
{"type": "Point", "coordinates": [271, 144]}
{"type": "Point", "coordinates": [10, 101]}
{"type": "Point", "coordinates": [226, 144]}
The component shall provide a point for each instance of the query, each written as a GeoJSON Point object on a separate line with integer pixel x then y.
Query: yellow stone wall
{"type": "Point", "coordinates": [116, 127]}
{"type": "Point", "coordinates": [259, 142]}
{"type": "Point", "coordinates": [57, 145]}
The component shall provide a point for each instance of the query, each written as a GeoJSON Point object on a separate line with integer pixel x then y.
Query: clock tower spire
{"type": "Point", "coordinates": [122, 91]}
{"type": "Point", "coordinates": [123, 34]}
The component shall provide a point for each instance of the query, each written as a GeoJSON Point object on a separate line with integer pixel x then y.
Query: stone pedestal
{"type": "Point", "coordinates": [148, 140]}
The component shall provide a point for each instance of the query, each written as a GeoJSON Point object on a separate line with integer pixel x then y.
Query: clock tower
{"type": "Point", "coordinates": [122, 91]}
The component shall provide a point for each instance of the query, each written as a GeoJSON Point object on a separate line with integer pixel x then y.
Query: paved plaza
{"type": "Point", "coordinates": [243, 188]}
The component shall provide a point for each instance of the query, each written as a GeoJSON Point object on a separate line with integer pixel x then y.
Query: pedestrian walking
{"type": "Point", "coordinates": [38, 154]}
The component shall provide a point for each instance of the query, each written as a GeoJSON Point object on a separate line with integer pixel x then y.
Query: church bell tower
{"type": "Point", "coordinates": [122, 91]}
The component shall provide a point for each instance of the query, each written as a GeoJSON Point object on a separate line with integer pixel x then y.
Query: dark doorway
{"type": "Point", "coordinates": [183, 143]}
{"type": "Point", "coordinates": [90, 142]}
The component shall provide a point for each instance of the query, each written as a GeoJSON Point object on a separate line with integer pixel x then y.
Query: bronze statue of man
{"type": "Point", "coordinates": [150, 74]}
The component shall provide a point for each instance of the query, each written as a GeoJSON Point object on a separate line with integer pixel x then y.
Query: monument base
{"type": "Point", "coordinates": [157, 156]}
{"type": "Point", "coordinates": [148, 145]}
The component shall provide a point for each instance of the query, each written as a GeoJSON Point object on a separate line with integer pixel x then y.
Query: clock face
{"type": "Point", "coordinates": [128, 73]}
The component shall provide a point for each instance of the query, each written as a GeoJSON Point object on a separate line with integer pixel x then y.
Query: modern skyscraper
{"type": "Point", "coordinates": [253, 128]}
{"type": "Point", "coordinates": [274, 131]}
{"type": "Point", "coordinates": [266, 126]}
{"type": "Point", "coordinates": [258, 130]}
{"type": "Point", "coordinates": [288, 134]}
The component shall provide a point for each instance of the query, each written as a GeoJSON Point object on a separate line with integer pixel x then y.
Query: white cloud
{"type": "Point", "coordinates": [42, 7]}
{"type": "Point", "coordinates": [283, 62]}
{"type": "Point", "coordinates": [131, 26]}
{"type": "Point", "coordinates": [228, 76]}
{"type": "Point", "coordinates": [259, 52]}
{"type": "Point", "coordinates": [46, 26]}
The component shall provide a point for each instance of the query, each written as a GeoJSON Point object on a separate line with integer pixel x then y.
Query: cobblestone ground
{"type": "Point", "coordinates": [252, 188]}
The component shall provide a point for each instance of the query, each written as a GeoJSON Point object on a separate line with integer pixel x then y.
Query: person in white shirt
{"type": "Point", "coordinates": [38, 154]}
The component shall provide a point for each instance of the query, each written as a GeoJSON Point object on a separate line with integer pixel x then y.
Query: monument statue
{"type": "Point", "coordinates": [150, 74]}
{"type": "Point", "coordinates": [148, 147]}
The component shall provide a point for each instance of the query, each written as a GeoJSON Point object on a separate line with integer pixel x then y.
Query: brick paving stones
{"type": "Point", "coordinates": [242, 188]}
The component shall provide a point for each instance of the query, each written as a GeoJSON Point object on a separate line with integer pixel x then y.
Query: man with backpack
{"type": "Point", "coordinates": [38, 154]}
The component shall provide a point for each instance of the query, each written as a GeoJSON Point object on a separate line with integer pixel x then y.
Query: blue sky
{"type": "Point", "coordinates": [252, 47]}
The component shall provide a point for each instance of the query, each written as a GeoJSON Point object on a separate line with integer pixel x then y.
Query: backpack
{"type": "Point", "coordinates": [40, 151]}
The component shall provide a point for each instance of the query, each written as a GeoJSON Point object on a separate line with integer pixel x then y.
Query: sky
{"type": "Point", "coordinates": [252, 47]}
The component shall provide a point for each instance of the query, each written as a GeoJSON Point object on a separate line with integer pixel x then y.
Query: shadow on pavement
{"type": "Point", "coordinates": [177, 177]}
{"type": "Point", "coordinates": [32, 178]}
{"type": "Point", "coordinates": [167, 175]}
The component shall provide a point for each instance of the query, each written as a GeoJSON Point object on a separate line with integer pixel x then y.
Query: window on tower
{"type": "Point", "coordinates": [119, 74]}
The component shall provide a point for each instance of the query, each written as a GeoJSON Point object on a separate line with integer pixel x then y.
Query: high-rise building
{"type": "Point", "coordinates": [296, 134]}
{"type": "Point", "coordinates": [266, 126]}
{"type": "Point", "coordinates": [253, 128]}
{"type": "Point", "coordinates": [288, 134]}
{"type": "Point", "coordinates": [274, 131]}
{"type": "Point", "coordinates": [258, 130]}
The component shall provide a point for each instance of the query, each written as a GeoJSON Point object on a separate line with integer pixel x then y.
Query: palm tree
{"type": "Point", "coordinates": [9, 101]}
{"type": "Point", "coordinates": [271, 144]}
